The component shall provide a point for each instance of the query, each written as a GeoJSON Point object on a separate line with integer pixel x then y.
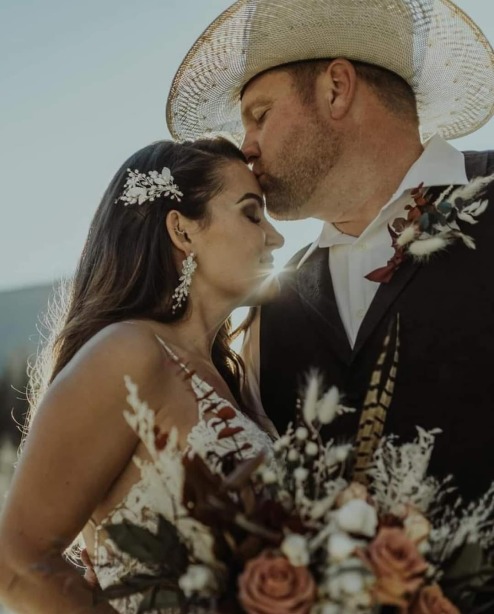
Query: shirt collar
{"type": "Point", "coordinates": [439, 164]}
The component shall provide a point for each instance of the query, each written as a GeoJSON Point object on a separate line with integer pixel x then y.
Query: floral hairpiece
{"type": "Point", "coordinates": [140, 187]}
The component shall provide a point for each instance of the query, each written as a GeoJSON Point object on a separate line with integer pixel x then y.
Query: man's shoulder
{"type": "Point", "coordinates": [479, 163]}
{"type": "Point", "coordinates": [293, 267]}
{"type": "Point", "coordinates": [297, 257]}
{"type": "Point", "coordinates": [301, 269]}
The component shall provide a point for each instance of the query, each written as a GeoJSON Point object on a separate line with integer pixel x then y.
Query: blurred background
{"type": "Point", "coordinates": [84, 85]}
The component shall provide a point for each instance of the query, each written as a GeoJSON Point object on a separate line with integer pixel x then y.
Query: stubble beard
{"type": "Point", "coordinates": [304, 159]}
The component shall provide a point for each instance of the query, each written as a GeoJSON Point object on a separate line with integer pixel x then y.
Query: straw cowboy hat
{"type": "Point", "coordinates": [432, 44]}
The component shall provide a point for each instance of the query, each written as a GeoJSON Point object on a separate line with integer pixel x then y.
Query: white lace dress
{"type": "Point", "coordinates": [158, 492]}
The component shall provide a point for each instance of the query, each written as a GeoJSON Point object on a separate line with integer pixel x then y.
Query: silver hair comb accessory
{"type": "Point", "coordinates": [140, 187]}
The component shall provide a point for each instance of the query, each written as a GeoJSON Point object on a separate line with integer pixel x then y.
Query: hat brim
{"type": "Point", "coordinates": [432, 44]}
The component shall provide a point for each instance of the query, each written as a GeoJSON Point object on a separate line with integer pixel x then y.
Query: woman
{"type": "Point", "coordinates": [179, 240]}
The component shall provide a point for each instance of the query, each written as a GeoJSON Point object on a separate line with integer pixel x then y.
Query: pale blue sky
{"type": "Point", "coordinates": [83, 85]}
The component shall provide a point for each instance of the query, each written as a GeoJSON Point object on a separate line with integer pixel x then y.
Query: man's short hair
{"type": "Point", "coordinates": [393, 91]}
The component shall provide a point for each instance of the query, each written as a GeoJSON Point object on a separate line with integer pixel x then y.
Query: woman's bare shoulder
{"type": "Point", "coordinates": [123, 348]}
{"type": "Point", "coordinates": [96, 378]}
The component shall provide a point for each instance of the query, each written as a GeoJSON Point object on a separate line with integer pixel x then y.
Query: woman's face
{"type": "Point", "coordinates": [234, 251]}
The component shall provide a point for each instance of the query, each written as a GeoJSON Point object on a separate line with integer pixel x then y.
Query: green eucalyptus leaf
{"type": "Point", "coordinates": [463, 576]}
{"type": "Point", "coordinates": [156, 599]}
{"type": "Point", "coordinates": [467, 561]}
{"type": "Point", "coordinates": [444, 207]}
{"type": "Point", "coordinates": [130, 585]}
{"type": "Point", "coordinates": [166, 598]}
{"type": "Point", "coordinates": [138, 542]}
{"type": "Point", "coordinates": [176, 556]}
{"type": "Point", "coordinates": [424, 222]}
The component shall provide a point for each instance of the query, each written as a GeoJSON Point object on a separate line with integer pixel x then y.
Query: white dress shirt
{"type": "Point", "coordinates": [352, 258]}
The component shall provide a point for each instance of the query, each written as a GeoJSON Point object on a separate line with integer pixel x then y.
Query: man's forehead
{"type": "Point", "coordinates": [265, 86]}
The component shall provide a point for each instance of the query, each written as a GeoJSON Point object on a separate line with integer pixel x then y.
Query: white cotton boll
{"type": "Point", "coordinates": [300, 474]}
{"type": "Point", "coordinates": [296, 550]}
{"type": "Point", "coordinates": [186, 584]}
{"type": "Point", "coordinates": [357, 516]}
{"type": "Point", "coordinates": [407, 236]}
{"type": "Point", "coordinates": [281, 443]}
{"type": "Point", "coordinates": [321, 507]}
{"type": "Point", "coordinates": [278, 446]}
{"type": "Point", "coordinates": [352, 582]}
{"type": "Point", "coordinates": [197, 579]}
{"type": "Point", "coordinates": [333, 587]}
{"type": "Point", "coordinates": [269, 476]}
{"type": "Point", "coordinates": [341, 452]}
{"type": "Point", "coordinates": [425, 247]}
{"type": "Point", "coordinates": [293, 456]}
{"type": "Point", "coordinates": [341, 546]}
{"type": "Point", "coordinates": [310, 398]}
{"type": "Point", "coordinates": [328, 406]}
{"type": "Point", "coordinates": [301, 433]}
{"type": "Point", "coordinates": [311, 449]}
{"type": "Point", "coordinates": [349, 587]}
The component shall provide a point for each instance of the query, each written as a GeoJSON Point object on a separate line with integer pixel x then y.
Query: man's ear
{"type": "Point", "coordinates": [339, 81]}
{"type": "Point", "coordinates": [176, 226]}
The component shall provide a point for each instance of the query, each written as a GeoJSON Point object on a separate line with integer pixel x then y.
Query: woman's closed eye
{"type": "Point", "coordinates": [252, 213]}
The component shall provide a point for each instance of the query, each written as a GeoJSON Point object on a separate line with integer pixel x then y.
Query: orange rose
{"type": "Point", "coordinates": [397, 565]}
{"type": "Point", "coordinates": [269, 584]}
{"type": "Point", "coordinates": [432, 601]}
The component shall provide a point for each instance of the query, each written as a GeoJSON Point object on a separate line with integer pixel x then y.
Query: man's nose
{"type": "Point", "coordinates": [250, 148]}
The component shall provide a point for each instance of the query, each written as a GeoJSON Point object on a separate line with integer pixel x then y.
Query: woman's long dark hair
{"type": "Point", "coordinates": [127, 269]}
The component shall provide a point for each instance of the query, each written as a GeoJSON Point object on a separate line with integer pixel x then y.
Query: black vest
{"type": "Point", "coordinates": [446, 365]}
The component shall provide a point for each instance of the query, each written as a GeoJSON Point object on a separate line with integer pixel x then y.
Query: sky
{"type": "Point", "coordinates": [83, 85]}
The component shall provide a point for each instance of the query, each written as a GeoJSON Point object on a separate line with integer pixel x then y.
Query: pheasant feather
{"type": "Point", "coordinates": [376, 404]}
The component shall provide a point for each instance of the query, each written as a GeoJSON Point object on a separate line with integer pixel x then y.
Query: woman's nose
{"type": "Point", "coordinates": [274, 239]}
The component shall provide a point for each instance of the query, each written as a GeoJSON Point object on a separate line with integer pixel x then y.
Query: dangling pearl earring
{"type": "Point", "coordinates": [189, 265]}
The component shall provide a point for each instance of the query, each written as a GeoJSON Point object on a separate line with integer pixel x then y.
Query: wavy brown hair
{"type": "Point", "coordinates": [127, 270]}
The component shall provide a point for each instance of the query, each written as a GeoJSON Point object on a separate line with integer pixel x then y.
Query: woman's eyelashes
{"type": "Point", "coordinates": [252, 212]}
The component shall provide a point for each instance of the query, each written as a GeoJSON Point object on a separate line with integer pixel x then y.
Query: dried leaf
{"type": "Point", "coordinates": [226, 413]}
{"type": "Point", "coordinates": [230, 431]}
{"type": "Point", "coordinates": [138, 542]}
{"type": "Point", "coordinates": [240, 477]}
{"type": "Point", "coordinates": [203, 494]}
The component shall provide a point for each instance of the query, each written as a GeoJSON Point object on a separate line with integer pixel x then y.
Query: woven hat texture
{"type": "Point", "coordinates": [432, 44]}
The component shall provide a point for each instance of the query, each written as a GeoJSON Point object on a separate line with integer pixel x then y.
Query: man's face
{"type": "Point", "coordinates": [289, 143]}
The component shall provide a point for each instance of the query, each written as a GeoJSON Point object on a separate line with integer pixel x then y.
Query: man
{"type": "Point", "coordinates": [344, 105]}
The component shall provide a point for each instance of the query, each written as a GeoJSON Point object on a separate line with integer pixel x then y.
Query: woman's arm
{"type": "Point", "coordinates": [78, 445]}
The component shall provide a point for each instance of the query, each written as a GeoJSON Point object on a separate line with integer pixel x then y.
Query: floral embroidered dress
{"type": "Point", "coordinates": [158, 491]}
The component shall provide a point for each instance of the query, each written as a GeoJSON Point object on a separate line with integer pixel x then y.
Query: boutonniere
{"type": "Point", "coordinates": [433, 224]}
